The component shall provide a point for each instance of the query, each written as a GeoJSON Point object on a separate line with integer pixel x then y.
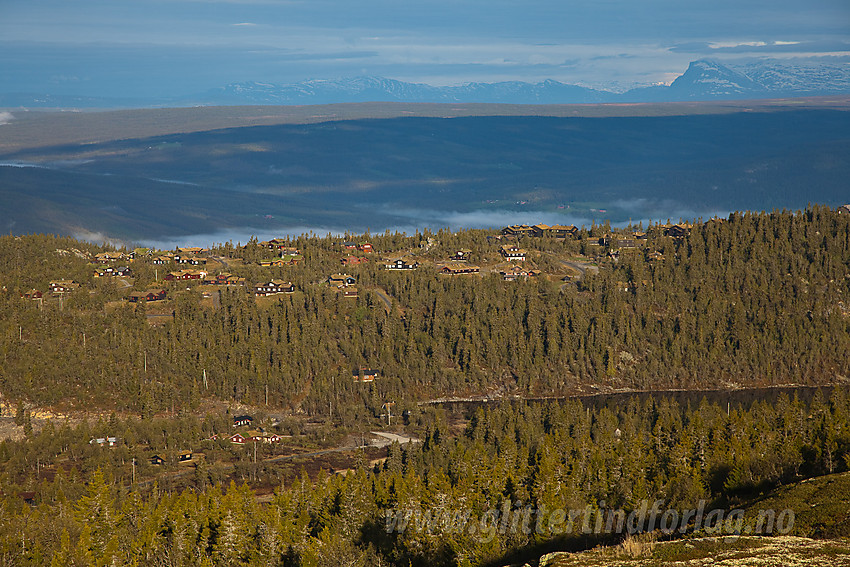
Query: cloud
{"type": "Point", "coordinates": [756, 47]}
{"type": "Point", "coordinates": [6, 117]}
{"type": "Point", "coordinates": [411, 220]}
{"type": "Point", "coordinates": [96, 237]}
{"type": "Point", "coordinates": [239, 235]}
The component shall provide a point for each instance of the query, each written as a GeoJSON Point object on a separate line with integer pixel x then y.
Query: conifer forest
{"type": "Point", "coordinates": [385, 421]}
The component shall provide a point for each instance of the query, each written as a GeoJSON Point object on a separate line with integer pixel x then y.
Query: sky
{"type": "Point", "coordinates": [182, 47]}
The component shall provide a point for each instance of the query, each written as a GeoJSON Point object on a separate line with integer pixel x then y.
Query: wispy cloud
{"type": "Point", "coordinates": [762, 47]}
{"type": "Point", "coordinates": [410, 221]}
{"type": "Point", "coordinates": [6, 117]}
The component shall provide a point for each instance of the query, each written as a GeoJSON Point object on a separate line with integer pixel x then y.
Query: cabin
{"type": "Point", "coordinates": [518, 230]}
{"type": "Point", "coordinates": [60, 287]}
{"type": "Point", "coordinates": [455, 269]}
{"type": "Point", "coordinates": [365, 375]}
{"type": "Point", "coordinates": [156, 460]}
{"type": "Point", "coordinates": [108, 257]}
{"type": "Point", "coordinates": [279, 244]}
{"type": "Point", "coordinates": [241, 420]}
{"type": "Point", "coordinates": [462, 255]}
{"type": "Point", "coordinates": [348, 245]}
{"type": "Point", "coordinates": [539, 230]}
{"type": "Point", "coordinates": [677, 230]}
{"type": "Point", "coordinates": [341, 280]}
{"type": "Point", "coordinates": [365, 247]}
{"type": "Point", "coordinates": [224, 278]}
{"type": "Point", "coordinates": [122, 271]}
{"type": "Point", "coordinates": [237, 439]}
{"type": "Point", "coordinates": [190, 250]}
{"type": "Point", "coordinates": [32, 294]}
{"type": "Point", "coordinates": [160, 260]}
{"type": "Point", "coordinates": [275, 263]}
{"type": "Point", "coordinates": [349, 291]}
{"type": "Point", "coordinates": [184, 457]}
{"type": "Point", "coordinates": [255, 435]}
{"type": "Point", "coordinates": [185, 275]}
{"type": "Point", "coordinates": [401, 264]}
{"type": "Point", "coordinates": [844, 210]}
{"type": "Point", "coordinates": [561, 231]}
{"type": "Point", "coordinates": [273, 287]}
{"type": "Point", "coordinates": [150, 295]}
{"type": "Point", "coordinates": [354, 260]}
{"type": "Point", "coordinates": [104, 441]}
{"type": "Point", "coordinates": [261, 436]}
{"type": "Point", "coordinates": [28, 496]}
{"type": "Point", "coordinates": [512, 253]}
{"type": "Point", "coordinates": [291, 259]}
{"type": "Point", "coordinates": [515, 272]}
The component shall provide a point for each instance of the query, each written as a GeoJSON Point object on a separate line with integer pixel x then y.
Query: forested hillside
{"type": "Point", "coordinates": [754, 300]}
{"type": "Point", "coordinates": [496, 493]}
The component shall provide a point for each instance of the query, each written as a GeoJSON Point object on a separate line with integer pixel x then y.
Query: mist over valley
{"type": "Point", "coordinates": [405, 173]}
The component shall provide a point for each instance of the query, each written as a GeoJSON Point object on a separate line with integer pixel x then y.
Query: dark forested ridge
{"type": "Point", "coordinates": [753, 300]}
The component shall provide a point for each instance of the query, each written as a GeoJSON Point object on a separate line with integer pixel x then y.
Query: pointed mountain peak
{"type": "Point", "coordinates": [710, 78]}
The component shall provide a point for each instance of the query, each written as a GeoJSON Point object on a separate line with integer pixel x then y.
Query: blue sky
{"type": "Point", "coordinates": [173, 47]}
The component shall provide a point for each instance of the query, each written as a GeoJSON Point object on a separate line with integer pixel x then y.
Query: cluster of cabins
{"type": "Point", "coordinates": [287, 255]}
{"type": "Point", "coordinates": [364, 247]}
{"type": "Point", "coordinates": [280, 262]}
{"type": "Point", "coordinates": [353, 260]}
{"type": "Point", "coordinates": [258, 435]}
{"type": "Point", "coordinates": [183, 457]}
{"type": "Point", "coordinates": [345, 283]}
{"type": "Point", "coordinates": [178, 259]}
{"type": "Point", "coordinates": [541, 230]}
{"type": "Point", "coordinates": [56, 288]}
{"type": "Point", "coordinates": [279, 245]}
{"type": "Point", "coordinates": [509, 252]}
{"type": "Point", "coordinates": [112, 271]}
{"type": "Point", "coordinates": [679, 230]}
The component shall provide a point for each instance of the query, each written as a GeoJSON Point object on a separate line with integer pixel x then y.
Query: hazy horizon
{"type": "Point", "coordinates": [156, 48]}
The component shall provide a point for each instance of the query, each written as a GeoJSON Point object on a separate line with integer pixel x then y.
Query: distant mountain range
{"type": "Point", "coordinates": [704, 80]}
